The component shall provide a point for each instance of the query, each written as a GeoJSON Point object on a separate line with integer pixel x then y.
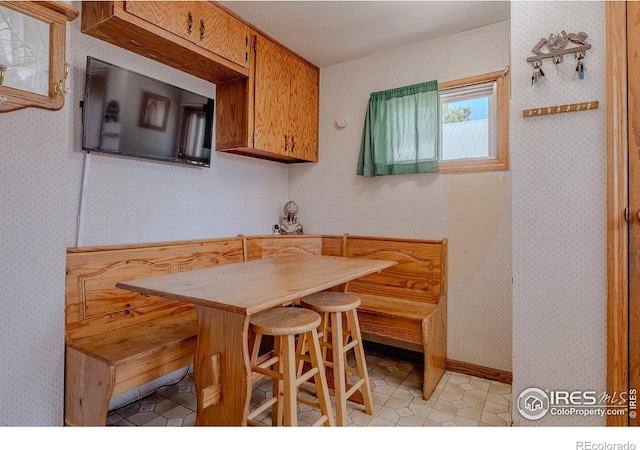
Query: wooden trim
{"type": "Point", "coordinates": [468, 81]}
{"type": "Point", "coordinates": [617, 201]}
{"type": "Point", "coordinates": [501, 160]}
{"type": "Point", "coordinates": [475, 370]}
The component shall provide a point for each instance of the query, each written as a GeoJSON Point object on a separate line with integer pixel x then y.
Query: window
{"type": "Point", "coordinates": [474, 132]}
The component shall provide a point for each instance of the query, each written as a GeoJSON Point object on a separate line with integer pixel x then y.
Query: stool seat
{"type": "Point", "coordinates": [279, 322]}
{"type": "Point", "coordinates": [330, 301]}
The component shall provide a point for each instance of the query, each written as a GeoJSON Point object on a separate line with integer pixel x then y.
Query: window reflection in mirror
{"type": "Point", "coordinates": [192, 131]}
{"type": "Point", "coordinates": [24, 51]}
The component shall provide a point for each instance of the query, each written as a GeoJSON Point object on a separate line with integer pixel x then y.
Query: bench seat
{"type": "Point", "coordinates": [406, 302]}
{"type": "Point", "coordinates": [393, 317]}
{"type": "Point", "coordinates": [142, 340]}
{"type": "Point", "coordinates": [117, 340]}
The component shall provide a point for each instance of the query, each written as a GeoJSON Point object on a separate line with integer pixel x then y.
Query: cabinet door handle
{"type": "Point", "coordinates": [190, 22]}
{"type": "Point", "coordinates": [293, 145]}
{"type": "Point", "coordinates": [286, 143]}
{"type": "Point", "coordinates": [201, 29]}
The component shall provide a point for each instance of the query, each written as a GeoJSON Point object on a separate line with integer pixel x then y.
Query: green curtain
{"type": "Point", "coordinates": [400, 133]}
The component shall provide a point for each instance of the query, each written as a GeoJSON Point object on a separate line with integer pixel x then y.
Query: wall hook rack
{"type": "Point", "coordinates": [557, 46]}
{"type": "Point", "coordinates": [559, 109]}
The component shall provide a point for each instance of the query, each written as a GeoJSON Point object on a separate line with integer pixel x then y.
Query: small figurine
{"type": "Point", "coordinates": [290, 223]}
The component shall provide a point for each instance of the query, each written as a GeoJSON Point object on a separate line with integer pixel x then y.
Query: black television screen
{"type": "Point", "coordinates": [129, 114]}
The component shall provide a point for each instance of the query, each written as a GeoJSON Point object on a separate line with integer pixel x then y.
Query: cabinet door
{"type": "Point", "coordinates": [272, 75]}
{"type": "Point", "coordinates": [222, 34]}
{"type": "Point", "coordinates": [303, 111]}
{"type": "Point", "coordinates": [179, 18]}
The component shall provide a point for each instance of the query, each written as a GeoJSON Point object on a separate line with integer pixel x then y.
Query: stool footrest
{"type": "Point", "coordinates": [354, 388]}
{"type": "Point", "coordinates": [260, 409]}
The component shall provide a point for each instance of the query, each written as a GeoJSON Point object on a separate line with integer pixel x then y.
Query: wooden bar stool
{"type": "Point", "coordinates": [284, 323]}
{"type": "Point", "coordinates": [336, 307]}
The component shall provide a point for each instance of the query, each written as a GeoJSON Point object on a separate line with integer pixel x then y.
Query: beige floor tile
{"type": "Point", "coordinates": [492, 419]}
{"type": "Point", "coordinates": [440, 416]}
{"type": "Point", "coordinates": [411, 421]}
{"type": "Point", "coordinates": [458, 400]}
{"type": "Point", "coordinates": [500, 388]}
{"type": "Point", "coordinates": [469, 413]}
{"type": "Point", "coordinates": [495, 408]}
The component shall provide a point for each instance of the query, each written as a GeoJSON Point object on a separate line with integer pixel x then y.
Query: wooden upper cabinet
{"type": "Point", "coordinates": [272, 98]}
{"type": "Point", "coordinates": [303, 111]}
{"type": "Point", "coordinates": [266, 96]}
{"type": "Point", "coordinates": [285, 107]}
{"type": "Point", "coordinates": [199, 38]}
{"type": "Point", "coordinates": [223, 34]}
{"type": "Point", "coordinates": [202, 23]}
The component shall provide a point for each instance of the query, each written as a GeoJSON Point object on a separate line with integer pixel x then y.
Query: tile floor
{"type": "Point", "coordinates": [459, 400]}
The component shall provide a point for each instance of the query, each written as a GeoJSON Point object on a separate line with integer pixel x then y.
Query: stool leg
{"type": "Point", "coordinates": [290, 402]}
{"type": "Point", "coordinates": [277, 385]}
{"type": "Point", "coordinates": [339, 375]}
{"type": "Point", "coordinates": [363, 373]}
{"type": "Point", "coordinates": [322, 391]}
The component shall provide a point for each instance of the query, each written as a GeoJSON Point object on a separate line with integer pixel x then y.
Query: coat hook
{"type": "Point", "coordinates": [2, 71]}
{"type": "Point", "coordinates": [59, 87]}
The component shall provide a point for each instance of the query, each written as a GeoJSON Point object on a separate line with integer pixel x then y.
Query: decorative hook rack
{"type": "Point", "coordinates": [557, 45]}
{"type": "Point", "coordinates": [558, 109]}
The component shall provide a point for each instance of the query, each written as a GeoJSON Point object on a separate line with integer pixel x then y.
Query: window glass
{"type": "Point", "coordinates": [467, 122]}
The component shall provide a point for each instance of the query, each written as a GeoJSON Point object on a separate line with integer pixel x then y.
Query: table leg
{"type": "Point", "coordinates": [222, 357]}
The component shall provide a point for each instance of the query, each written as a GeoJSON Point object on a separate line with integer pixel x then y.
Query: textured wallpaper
{"type": "Point", "coordinates": [559, 210]}
{"type": "Point", "coordinates": [127, 200]}
{"type": "Point", "coordinates": [472, 210]}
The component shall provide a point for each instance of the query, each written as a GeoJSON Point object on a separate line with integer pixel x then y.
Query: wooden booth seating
{"type": "Point", "coordinates": [117, 340]}
{"type": "Point", "coordinates": [408, 301]}
{"type": "Point", "coordinates": [268, 246]}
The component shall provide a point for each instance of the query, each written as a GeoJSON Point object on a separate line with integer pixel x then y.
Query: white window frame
{"type": "Point", "coordinates": [498, 121]}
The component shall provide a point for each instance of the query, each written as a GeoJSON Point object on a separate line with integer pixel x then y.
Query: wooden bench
{"type": "Point", "coordinates": [117, 340]}
{"type": "Point", "coordinates": [268, 246]}
{"type": "Point", "coordinates": [408, 301]}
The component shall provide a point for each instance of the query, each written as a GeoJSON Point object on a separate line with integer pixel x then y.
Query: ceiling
{"type": "Point", "coordinates": [330, 32]}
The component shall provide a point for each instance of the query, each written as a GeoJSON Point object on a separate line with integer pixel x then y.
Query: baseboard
{"type": "Point", "coordinates": [455, 366]}
{"type": "Point", "coordinates": [480, 371]}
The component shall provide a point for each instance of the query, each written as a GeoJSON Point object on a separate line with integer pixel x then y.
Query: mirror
{"type": "Point", "coordinates": [25, 52]}
{"type": "Point", "coordinates": [32, 52]}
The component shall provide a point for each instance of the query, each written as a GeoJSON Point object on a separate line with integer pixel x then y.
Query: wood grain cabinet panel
{"type": "Point", "coordinates": [303, 111]}
{"type": "Point", "coordinates": [199, 38]}
{"type": "Point", "coordinates": [272, 78]}
{"type": "Point", "coordinates": [280, 103]}
{"type": "Point", "coordinates": [202, 23]}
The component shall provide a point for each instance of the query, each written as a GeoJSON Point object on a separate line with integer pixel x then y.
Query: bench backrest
{"type": "Point", "coordinates": [258, 247]}
{"type": "Point", "coordinates": [420, 275]}
{"type": "Point", "coordinates": [93, 304]}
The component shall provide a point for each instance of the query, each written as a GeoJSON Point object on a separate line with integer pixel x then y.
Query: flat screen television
{"type": "Point", "coordinates": [129, 114]}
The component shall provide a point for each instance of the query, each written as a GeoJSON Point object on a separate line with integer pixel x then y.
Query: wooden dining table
{"type": "Point", "coordinates": [225, 298]}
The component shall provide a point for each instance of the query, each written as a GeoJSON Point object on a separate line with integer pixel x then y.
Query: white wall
{"type": "Point", "coordinates": [559, 210]}
{"type": "Point", "coordinates": [473, 211]}
{"type": "Point", "coordinates": [127, 201]}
